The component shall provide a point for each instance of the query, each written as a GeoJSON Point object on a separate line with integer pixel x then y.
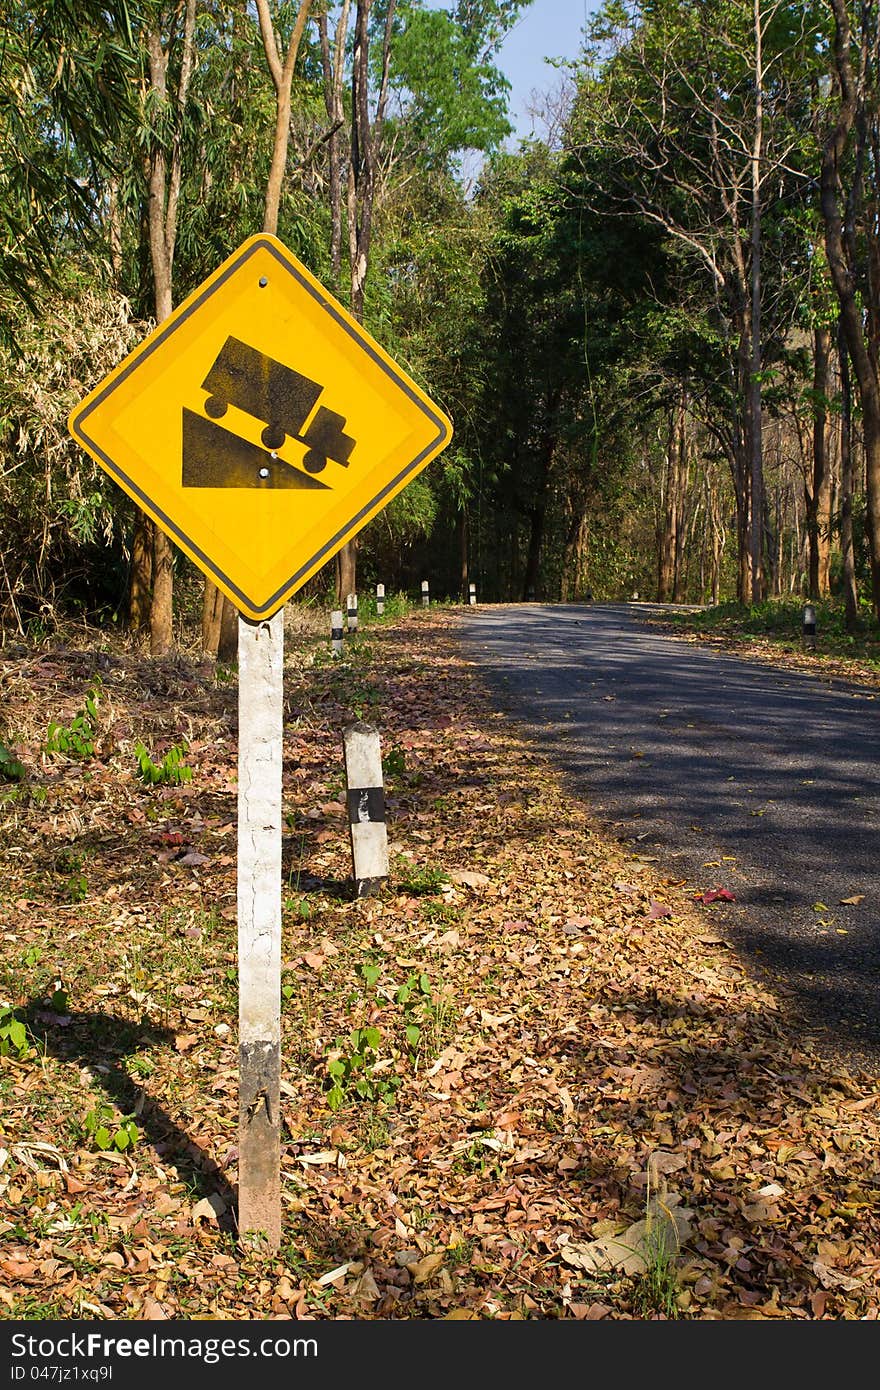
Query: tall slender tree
{"type": "Point", "coordinates": [851, 216]}
{"type": "Point", "coordinates": [169, 53]}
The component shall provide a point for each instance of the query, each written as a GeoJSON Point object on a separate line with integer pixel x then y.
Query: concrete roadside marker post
{"type": "Point", "coordinates": [426, 599]}
{"type": "Point", "coordinates": [472, 594]}
{"type": "Point", "coordinates": [809, 627]}
{"type": "Point", "coordinates": [336, 631]}
{"type": "Point", "coordinates": [366, 807]}
{"type": "Point", "coordinates": [260, 733]}
{"type": "Point", "coordinates": [352, 607]}
{"type": "Point", "coordinates": [380, 600]}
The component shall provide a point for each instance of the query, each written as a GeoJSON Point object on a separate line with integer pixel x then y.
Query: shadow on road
{"type": "Point", "coordinates": [722, 772]}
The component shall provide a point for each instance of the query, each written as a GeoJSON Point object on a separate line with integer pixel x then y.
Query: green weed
{"type": "Point", "coordinates": [298, 908]}
{"type": "Point", "coordinates": [394, 764]}
{"type": "Point", "coordinates": [442, 913]}
{"type": "Point", "coordinates": [415, 997]}
{"type": "Point", "coordinates": [370, 973]}
{"type": "Point", "coordinates": [657, 1289]}
{"type": "Point", "coordinates": [76, 888]}
{"type": "Point", "coordinates": [69, 864]}
{"type": "Point", "coordinates": [59, 1000]}
{"type": "Point", "coordinates": [373, 1131]}
{"type": "Point", "coordinates": [479, 1157]}
{"type": "Point", "coordinates": [140, 1066]}
{"type": "Point", "coordinates": [101, 1126]}
{"type": "Point", "coordinates": [76, 739]}
{"type": "Point", "coordinates": [396, 606]}
{"type": "Point", "coordinates": [352, 1070]}
{"type": "Point", "coordinates": [14, 1037]}
{"type": "Point", "coordinates": [172, 771]}
{"type": "Point", "coordinates": [11, 770]}
{"type": "Point", "coordinates": [419, 880]}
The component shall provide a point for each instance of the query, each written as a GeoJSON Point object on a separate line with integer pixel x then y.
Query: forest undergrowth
{"type": "Point", "coordinates": [529, 1079]}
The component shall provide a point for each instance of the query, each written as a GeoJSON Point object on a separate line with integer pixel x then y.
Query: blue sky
{"type": "Point", "coordinates": [547, 29]}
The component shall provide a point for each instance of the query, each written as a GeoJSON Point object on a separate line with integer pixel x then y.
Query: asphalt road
{"type": "Point", "coordinates": [724, 773]}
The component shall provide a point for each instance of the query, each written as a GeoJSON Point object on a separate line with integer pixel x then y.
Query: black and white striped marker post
{"type": "Point", "coordinates": [425, 595]}
{"type": "Point", "coordinates": [809, 627]}
{"type": "Point", "coordinates": [336, 631]}
{"type": "Point", "coordinates": [366, 807]}
{"type": "Point", "coordinates": [380, 600]}
{"type": "Point", "coordinates": [472, 593]}
{"type": "Point", "coordinates": [352, 606]}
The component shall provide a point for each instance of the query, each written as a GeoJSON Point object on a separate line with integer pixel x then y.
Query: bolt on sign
{"type": "Point", "coordinates": [260, 426]}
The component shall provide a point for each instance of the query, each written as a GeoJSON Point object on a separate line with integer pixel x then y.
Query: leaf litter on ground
{"type": "Point", "coordinates": [573, 1082]}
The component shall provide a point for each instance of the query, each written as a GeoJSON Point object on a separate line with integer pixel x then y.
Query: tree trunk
{"type": "Point", "coordinates": [673, 505]}
{"type": "Point", "coordinates": [212, 612]}
{"type": "Point", "coordinates": [679, 578]}
{"type": "Point", "coordinates": [164, 172]}
{"type": "Point", "coordinates": [333, 72]}
{"type": "Point", "coordinates": [819, 497]}
{"type": "Point", "coordinates": [537, 515]}
{"type": "Point", "coordinates": [161, 608]}
{"type": "Point", "coordinates": [463, 555]}
{"type": "Point", "coordinates": [713, 508]}
{"type": "Point", "coordinates": [859, 314]}
{"type": "Point", "coordinates": [366, 141]}
{"type": "Point", "coordinates": [742, 488]}
{"type": "Point", "coordinates": [346, 571]}
{"type": "Point", "coordinates": [739, 453]}
{"type": "Point", "coordinates": [850, 586]}
{"type": "Point", "coordinates": [282, 78]}
{"type": "Point", "coordinates": [141, 578]}
{"type": "Point", "coordinates": [576, 565]}
{"type": "Point", "coordinates": [753, 388]}
{"type": "Point", "coordinates": [227, 647]}
{"type": "Point", "coordinates": [281, 73]}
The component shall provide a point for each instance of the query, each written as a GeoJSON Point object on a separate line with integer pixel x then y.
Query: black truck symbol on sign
{"type": "Point", "coordinates": [284, 400]}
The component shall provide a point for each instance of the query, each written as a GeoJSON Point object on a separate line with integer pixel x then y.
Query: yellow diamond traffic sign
{"type": "Point", "coordinates": [260, 426]}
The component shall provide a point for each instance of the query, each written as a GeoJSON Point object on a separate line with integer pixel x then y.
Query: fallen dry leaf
{"type": "Point", "coordinates": [427, 1267]}
{"type": "Point", "coordinates": [152, 1310]}
{"type": "Point", "coordinates": [469, 878]}
{"type": "Point", "coordinates": [832, 1278]}
{"type": "Point", "coordinates": [209, 1208]}
{"type": "Point", "coordinates": [663, 1232]}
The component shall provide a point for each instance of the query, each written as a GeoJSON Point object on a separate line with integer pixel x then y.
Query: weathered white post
{"type": "Point", "coordinates": [260, 731]}
{"type": "Point", "coordinates": [425, 595]}
{"type": "Point", "coordinates": [352, 606]}
{"type": "Point", "coordinates": [336, 631]}
{"type": "Point", "coordinates": [808, 632]}
{"type": "Point", "coordinates": [380, 600]}
{"type": "Point", "coordinates": [472, 593]}
{"type": "Point", "coordinates": [366, 807]}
